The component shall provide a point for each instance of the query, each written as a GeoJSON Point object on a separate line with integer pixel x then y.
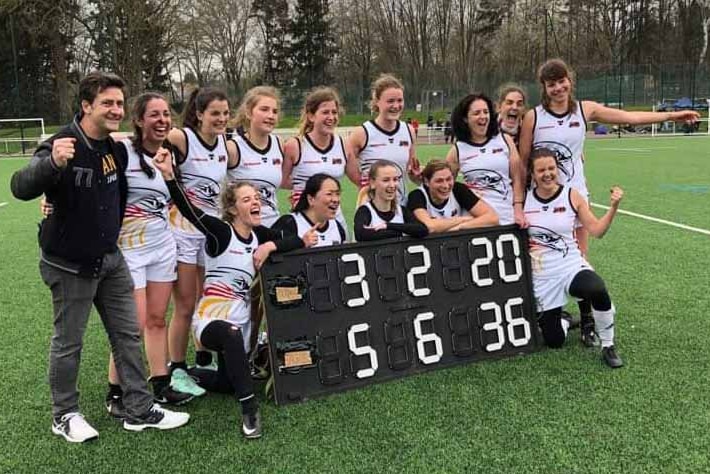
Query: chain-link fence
{"type": "Point", "coordinates": [636, 86]}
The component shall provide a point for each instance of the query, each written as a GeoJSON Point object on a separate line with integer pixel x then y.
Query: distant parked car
{"type": "Point", "coordinates": [685, 103]}
{"type": "Point", "coordinates": [666, 105]}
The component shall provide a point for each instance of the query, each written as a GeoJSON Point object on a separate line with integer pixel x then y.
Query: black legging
{"type": "Point", "coordinates": [586, 285]}
{"type": "Point", "coordinates": [233, 373]}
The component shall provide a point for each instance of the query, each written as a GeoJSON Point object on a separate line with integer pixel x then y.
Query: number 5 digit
{"type": "Point", "coordinates": [362, 350]}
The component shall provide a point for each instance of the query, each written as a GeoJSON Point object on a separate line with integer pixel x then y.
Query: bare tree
{"type": "Point", "coordinates": [226, 35]}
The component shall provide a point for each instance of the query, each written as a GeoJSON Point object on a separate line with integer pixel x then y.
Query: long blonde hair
{"type": "Point", "coordinates": [313, 100]}
{"type": "Point", "coordinates": [250, 100]}
{"type": "Point", "coordinates": [381, 84]}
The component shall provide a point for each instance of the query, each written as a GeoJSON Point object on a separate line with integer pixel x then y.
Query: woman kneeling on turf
{"type": "Point", "coordinates": [236, 247]}
{"type": "Point", "coordinates": [316, 210]}
{"type": "Point", "coordinates": [443, 204]}
{"type": "Point", "coordinates": [559, 269]}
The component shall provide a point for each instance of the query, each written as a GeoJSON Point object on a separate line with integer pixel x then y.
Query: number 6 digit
{"type": "Point", "coordinates": [422, 339]}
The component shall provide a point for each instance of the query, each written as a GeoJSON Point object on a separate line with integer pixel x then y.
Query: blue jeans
{"type": "Point", "coordinates": [112, 295]}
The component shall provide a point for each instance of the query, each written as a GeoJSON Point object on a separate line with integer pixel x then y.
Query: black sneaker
{"type": "Point", "coordinates": [251, 426]}
{"type": "Point", "coordinates": [589, 336]}
{"type": "Point", "coordinates": [169, 396]}
{"type": "Point", "coordinates": [156, 417]}
{"type": "Point", "coordinates": [114, 406]}
{"type": "Point", "coordinates": [611, 358]}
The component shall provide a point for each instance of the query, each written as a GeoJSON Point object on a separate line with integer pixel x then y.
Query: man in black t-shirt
{"type": "Point", "coordinates": [81, 170]}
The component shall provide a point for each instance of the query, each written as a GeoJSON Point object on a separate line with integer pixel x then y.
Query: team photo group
{"type": "Point", "coordinates": [185, 215]}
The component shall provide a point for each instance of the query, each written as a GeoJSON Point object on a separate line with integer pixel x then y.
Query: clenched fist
{"type": "Point", "coordinates": [63, 151]}
{"type": "Point", "coordinates": [617, 194]}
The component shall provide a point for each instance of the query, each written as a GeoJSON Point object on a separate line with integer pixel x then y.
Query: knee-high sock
{"type": "Point", "coordinates": [604, 324]}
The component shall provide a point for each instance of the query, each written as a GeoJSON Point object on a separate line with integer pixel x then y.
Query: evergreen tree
{"type": "Point", "coordinates": [275, 25]}
{"type": "Point", "coordinates": [312, 42]}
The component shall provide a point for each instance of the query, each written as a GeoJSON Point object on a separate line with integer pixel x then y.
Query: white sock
{"type": "Point", "coordinates": [565, 325]}
{"type": "Point", "coordinates": [604, 325]}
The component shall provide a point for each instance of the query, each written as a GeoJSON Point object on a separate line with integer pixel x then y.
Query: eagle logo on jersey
{"type": "Point", "coordinates": [205, 195]}
{"type": "Point", "coordinates": [487, 180]}
{"type": "Point", "coordinates": [266, 196]}
{"type": "Point", "coordinates": [236, 289]}
{"type": "Point", "coordinates": [563, 156]}
{"type": "Point", "coordinates": [542, 237]}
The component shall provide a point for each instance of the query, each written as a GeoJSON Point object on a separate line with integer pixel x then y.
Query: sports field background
{"type": "Point", "coordinates": [554, 411]}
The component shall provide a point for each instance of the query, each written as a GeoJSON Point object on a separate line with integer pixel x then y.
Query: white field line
{"type": "Point", "coordinates": [3, 204]}
{"type": "Point", "coordinates": [656, 219]}
{"type": "Point", "coordinates": [638, 150]}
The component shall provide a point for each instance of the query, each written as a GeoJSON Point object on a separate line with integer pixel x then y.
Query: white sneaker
{"type": "Point", "coordinates": [74, 428]}
{"type": "Point", "coordinates": [156, 417]}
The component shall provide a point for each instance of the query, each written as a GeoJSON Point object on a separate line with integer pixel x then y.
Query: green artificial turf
{"type": "Point", "coordinates": [556, 411]}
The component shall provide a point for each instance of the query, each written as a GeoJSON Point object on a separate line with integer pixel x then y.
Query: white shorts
{"type": "Point", "coordinates": [190, 248]}
{"type": "Point", "coordinates": [551, 293]}
{"type": "Point", "coordinates": [199, 325]}
{"type": "Point", "coordinates": [156, 264]}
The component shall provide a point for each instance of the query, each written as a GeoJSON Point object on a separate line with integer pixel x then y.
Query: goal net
{"type": "Point", "coordinates": [20, 137]}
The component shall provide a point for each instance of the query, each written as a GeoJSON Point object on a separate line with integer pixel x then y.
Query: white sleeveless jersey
{"type": "Point", "coordinates": [228, 278]}
{"type": "Point", "coordinates": [486, 171]}
{"type": "Point", "coordinates": [202, 173]}
{"type": "Point", "coordinates": [450, 209]}
{"type": "Point", "coordinates": [330, 236]}
{"type": "Point", "coordinates": [261, 168]}
{"type": "Point", "coordinates": [145, 222]}
{"type": "Point", "coordinates": [376, 219]}
{"type": "Point", "coordinates": [391, 146]}
{"type": "Point", "coordinates": [553, 249]}
{"type": "Point", "coordinates": [312, 160]}
{"type": "Point", "coordinates": [564, 134]}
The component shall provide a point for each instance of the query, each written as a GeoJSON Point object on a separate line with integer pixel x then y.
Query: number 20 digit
{"type": "Point", "coordinates": [488, 258]}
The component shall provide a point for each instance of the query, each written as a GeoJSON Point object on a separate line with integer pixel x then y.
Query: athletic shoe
{"type": "Point", "coordinates": [170, 396]}
{"type": "Point", "coordinates": [114, 406]}
{"type": "Point", "coordinates": [611, 358]}
{"type": "Point", "coordinates": [258, 372]}
{"type": "Point", "coordinates": [74, 428]}
{"type": "Point", "coordinates": [156, 417]}
{"type": "Point", "coordinates": [251, 426]}
{"type": "Point", "coordinates": [211, 366]}
{"type": "Point", "coordinates": [589, 336]}
{"type": "Point", "coordinates": [181, 381]}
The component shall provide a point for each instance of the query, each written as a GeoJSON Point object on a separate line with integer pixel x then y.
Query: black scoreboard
{"type": "Point", "coordinates": [347, 316]}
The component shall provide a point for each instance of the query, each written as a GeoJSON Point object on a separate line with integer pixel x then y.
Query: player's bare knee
{"type": "Point", "coordinates": [155, 321]}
